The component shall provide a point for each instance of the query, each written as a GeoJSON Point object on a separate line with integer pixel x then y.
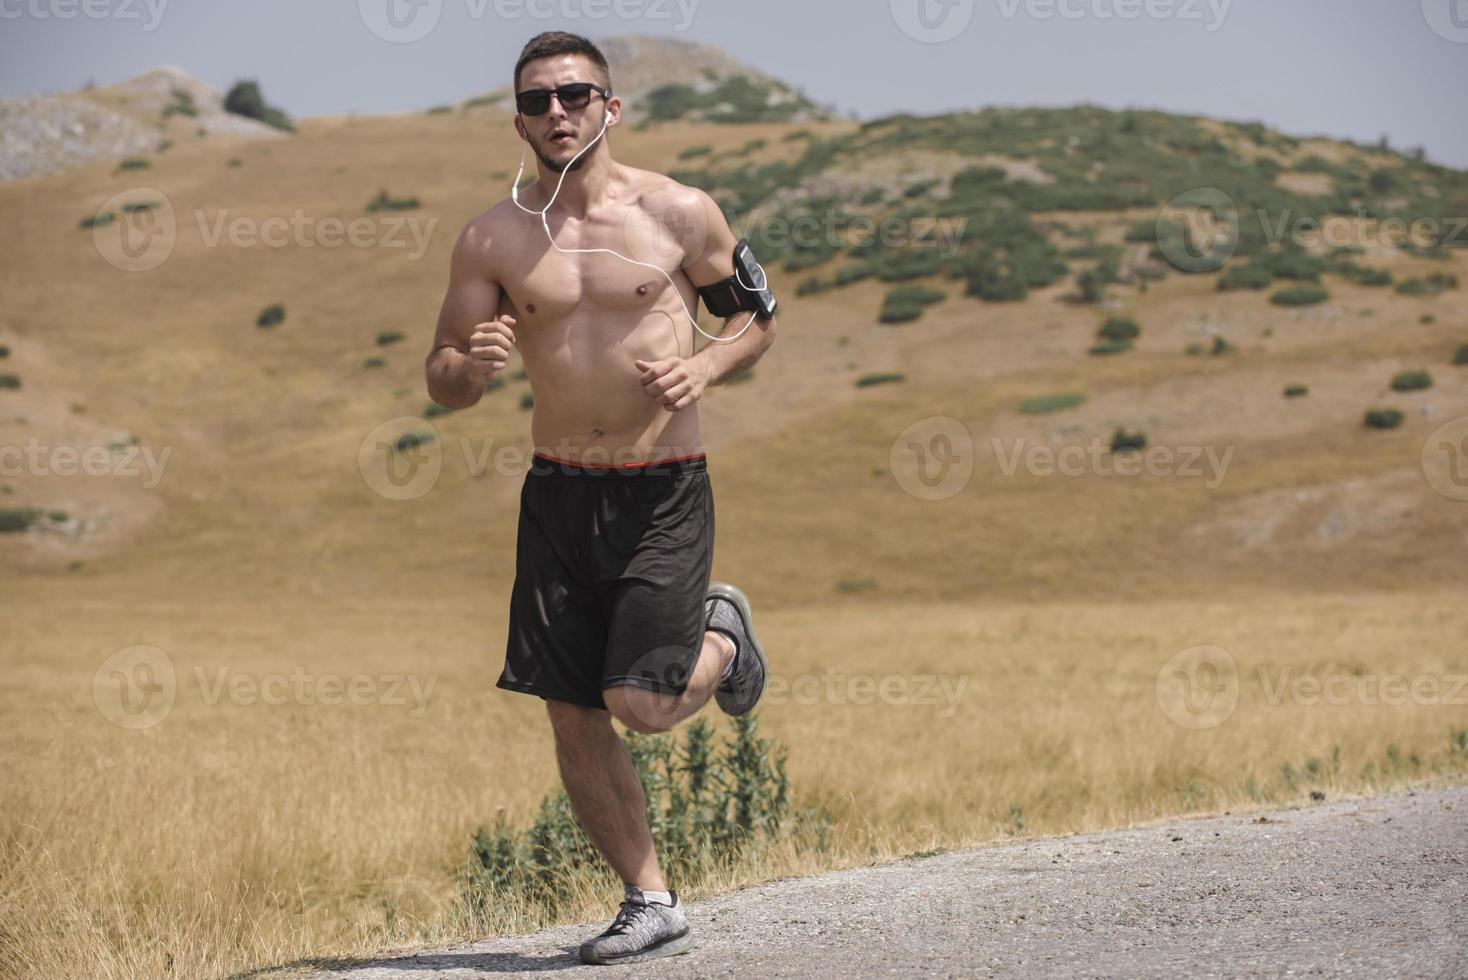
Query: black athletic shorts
{"type": "Point", "coordinates": [612, 568]}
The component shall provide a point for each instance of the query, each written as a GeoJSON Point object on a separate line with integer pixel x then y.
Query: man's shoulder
{"type": "Point", "coordinates": [501, 220]}
{"type": "Point", "coordinates": [663, 191]}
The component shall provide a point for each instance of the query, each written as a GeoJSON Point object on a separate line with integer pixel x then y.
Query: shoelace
{"type": "Point", "coordinates": [627, 917]}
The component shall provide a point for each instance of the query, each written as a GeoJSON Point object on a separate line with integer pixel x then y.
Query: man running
{"type": "Point", "coordinates": [612, 614]}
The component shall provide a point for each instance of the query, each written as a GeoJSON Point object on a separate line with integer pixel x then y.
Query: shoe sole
{"type": "Point", "coordinates": [672, 946]}
{"type": "Point", "coordinates": [736, 595]}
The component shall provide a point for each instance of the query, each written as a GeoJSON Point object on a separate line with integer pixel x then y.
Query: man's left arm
{"type": "Point", "coordinates": [677, 382]}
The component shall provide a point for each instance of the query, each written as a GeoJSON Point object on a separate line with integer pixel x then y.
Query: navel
{"type": "Point", "coordinates": [529, 307]}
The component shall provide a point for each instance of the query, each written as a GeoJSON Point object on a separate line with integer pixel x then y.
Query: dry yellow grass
{"type": "Point", "coordinates": [236, 836]}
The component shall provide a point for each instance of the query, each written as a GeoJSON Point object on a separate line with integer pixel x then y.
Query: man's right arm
{"type": "Point", "coordinates": [472, 342]}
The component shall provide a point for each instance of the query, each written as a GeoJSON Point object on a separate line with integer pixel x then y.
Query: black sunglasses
{"type": "Point", "coordinates": [536, 101]}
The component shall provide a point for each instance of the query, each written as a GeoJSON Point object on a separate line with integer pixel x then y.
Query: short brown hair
{"type": "Point", "coordinates": [552, 43]}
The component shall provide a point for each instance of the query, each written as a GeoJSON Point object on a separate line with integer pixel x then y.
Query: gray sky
{"type": "Point", "coordinates": [1345, 68]}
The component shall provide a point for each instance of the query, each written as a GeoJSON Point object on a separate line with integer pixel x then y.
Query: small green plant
{"type": "Point", "coordinates": [412, 440]}
{"type": "Point", "coordinates": [1411, 381]}
{"type": "Point", "coordinates": [1221, 346]}
{"type": "Point", "coordinates": [880, 378]}
{"type": "Point", "coordinates": [94, 220]}
{"type": "Point", "coordinates": [133, 207]}
{"type": "Point", "coordinates": [695, 151]}
{"type": "Point", "coordinates": [13, 520]}
{"type": "Point", "coordinates": [134, 163]}
{"type": "Point", "coordinates": [1460, 356]}
{"type": "Point", "coordinates": [856, 584]}
{"type": "Point", "coordinates": [905, 303]}
{"type": "Point", "coordinates": [272, 316]}
{"type": "Point", "coordinates": [1299, 296]}
{"type": "Point", "coordinates": [439, 110]}
{"type": "Point", "coordinates": [527, 402]}
{"type": "Point", "coordinates": [11, 381]}
{"type": "Point", "coordinates": [4, 352]}
{"type": "Point", "coordinates": [1249, 276]}
{"type": "Point", "coordinates": [1123, 441]}
{"type": "Point", "coordinates": [388, 337]}
{"type": "Point", "coordinates": [375, 362]}
{"type": "Point", "coordinates": [1110, 347]}
{"type": "Point", "coordinates": [1427, 319]}
{"type": "Point", "coordinates": [433, 410]}
{"type": "Point", "coordinates": [707, 806]}
{"type": "Point", "coordinates": [1296, 391]}
{"type": "Point", "coordinates": [1195, 350]}
{"type": "Point", "coordinates": [1119, 328]}
{"type": "Point", "coordinates": [1383, 418]}
{"type": "Point", "coordinates": [813, 286]}
{"type": "Point", "coordinates": [1044, 404]}
{"type": "Point", "coordinates": [182, 104]}
{"type": "Point", "coordinates": [245, 99]}
{"type": "Point", "coordinates": [386, 202]}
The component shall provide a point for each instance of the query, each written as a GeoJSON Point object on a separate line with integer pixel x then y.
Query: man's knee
{"type": "Point", "coordinates": [644, 712]}
{"type": "Point", "coordinates": [573, 722]}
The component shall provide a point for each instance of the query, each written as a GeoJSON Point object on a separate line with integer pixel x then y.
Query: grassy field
{"type": "Point", "coordinates": [1025, 626]}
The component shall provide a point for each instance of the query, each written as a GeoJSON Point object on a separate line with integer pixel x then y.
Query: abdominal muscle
{"type": "Point", "coordinates": [590, 406]}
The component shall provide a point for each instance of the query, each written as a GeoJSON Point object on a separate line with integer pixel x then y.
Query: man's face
{"type": "Point", "coordinates": [561, 133]}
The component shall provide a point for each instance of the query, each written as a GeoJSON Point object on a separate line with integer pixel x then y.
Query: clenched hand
{"type": "Point", "coordinates": [489, 348]}
{"type": "Point", "coordinates": [673, 382]}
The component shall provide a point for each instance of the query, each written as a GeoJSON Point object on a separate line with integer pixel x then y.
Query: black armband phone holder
{"type": "Point", "coordinates": [738, 294]}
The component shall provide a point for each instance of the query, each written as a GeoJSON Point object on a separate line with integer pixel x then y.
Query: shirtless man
{"type": "Point", "coordinates": [612, 614]}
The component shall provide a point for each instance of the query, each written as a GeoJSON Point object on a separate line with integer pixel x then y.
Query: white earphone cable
{"type": "Point", "coordinates": [545, 223]}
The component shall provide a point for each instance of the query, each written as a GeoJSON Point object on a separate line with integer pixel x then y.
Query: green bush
{"type": "Point", "coordinates": [1460, 356]}
{"type": "Point", "coordinates": [1123, 441]}
{"type": "Point", "coordinates": [386, 202]}
{"type": "Point", "coordinates": [879, 378]}
{"type": "Point", "coordinates": [1299, 296]}
{"type": "Point", "coordinates": [182, 104]}
{"type": "Point", "coordinates": [273, 315]}
{"type": "Point", "coordinates": [899, 312]}
{"type": "Point", "coordinates": [13, 521]}
{"type": "Point", "coordinates": [4, 352]}
{"type": "Point", "coordinates": [1247, 276]}
{"type": "Point", "coordinates": [812, 286]}
{"type": "Point", "coordinates": [527, 401]}
{"type": "Point", "coordinates": [433, 410]}
{"type": "Point", "coordinates": [708, 805]}
{"type": "Point", "coordinates": [389, 337]}
{"type": "Point", "coordinates": [375, 362]}
{"type": "Point", "coordinates": [1383, 418]}
{"type": "Point", "coordinates": [907, 303]}
{"type": "Point", "coordinates": [1221, 346]}
{"type": "Point", "coordinates": [695, 151]}
{"type": "Point", "coordinates": [1363, 275]}
{"type": "Point", "coordinates": [93, 220]}
{"type": "Point", "coordinates": [245, 99]}
{"type": "Point", "coordinates": [849, 585]}
{"type": "Point", "coordinates": [1412, 381]}
{"type": "Point", "coordinates": [1044, 404]}
{"type": "Point", "coordinates": [1119, 328]}
{"type": "Point", "coordinates": [1431, 286]}
{"type": "Point", "coordinates": [412, 440]}
{"type": "Point", "coordinates": [11, 381]}
{"type": "Point", "coordinates": [1427, 319]}
{"type": "Point", "coordinates": [848, 274]}
{"type": "Point", "coordinates": [1110, 347]}
{"type": "Point", "coordinates": [1296, 391]}
{"type": "Point", "coordinates": [134, 163]}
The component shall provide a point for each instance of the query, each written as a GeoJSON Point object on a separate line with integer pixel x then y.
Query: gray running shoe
{"type": "Point", "coordinates": [642, 930]}
{"type": "Point", "coordinates": [728, 612]}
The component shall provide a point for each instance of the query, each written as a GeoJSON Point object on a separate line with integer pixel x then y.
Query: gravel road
{"type": "Point", "coordinates": [1370, 887]}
